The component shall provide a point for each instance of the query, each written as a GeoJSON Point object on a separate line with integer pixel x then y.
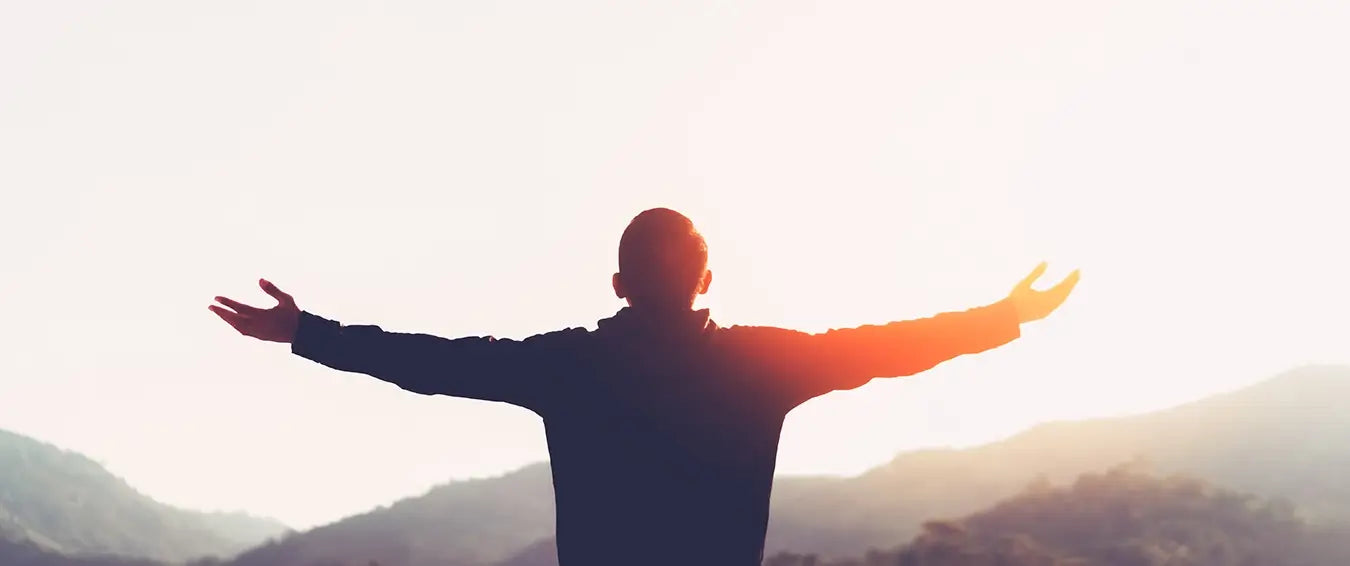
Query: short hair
{"type": "Point", "coordinates": [662, 257]}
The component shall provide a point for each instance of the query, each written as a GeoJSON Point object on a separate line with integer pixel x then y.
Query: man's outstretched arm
{"type": "Point", "coordinates": [815, 364]}
{"type": "Point", "coordinates": [474, 367]}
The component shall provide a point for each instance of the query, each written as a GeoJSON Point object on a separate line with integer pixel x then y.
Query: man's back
{"type": "Point", "coordinates": [663, 446]}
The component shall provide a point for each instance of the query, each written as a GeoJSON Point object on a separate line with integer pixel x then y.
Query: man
{"type": "Point", "coordinates": [662, 426]}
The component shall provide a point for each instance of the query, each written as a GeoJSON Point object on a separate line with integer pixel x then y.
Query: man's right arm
{"type": "Point", "coordinates": [477, 367]}
{"type": "Point", "coordinates": [512, 371]}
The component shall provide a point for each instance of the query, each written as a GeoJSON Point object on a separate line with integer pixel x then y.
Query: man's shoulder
{"type": "Point", "coordinates": [756, 337]}
{"type": "Point", "coordinates": [753, 330]}
{"type": "Point", "coordinates": [571, 334]}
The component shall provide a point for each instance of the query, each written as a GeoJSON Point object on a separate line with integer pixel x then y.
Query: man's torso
{"type": "Point", "coordinates": [663, 447]}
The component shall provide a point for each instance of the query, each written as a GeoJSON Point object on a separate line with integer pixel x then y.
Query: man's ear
{"type": "Point", "coordinates": [705, 283]}
{"type": "Point", "coordinates": [619, 291]}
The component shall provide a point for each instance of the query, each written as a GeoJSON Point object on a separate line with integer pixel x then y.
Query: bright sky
{"type": "Point", "coordinates": [466, 169]}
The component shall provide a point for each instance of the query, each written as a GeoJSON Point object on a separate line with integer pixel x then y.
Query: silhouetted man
{"type": "Point", "coordinates": [662, 426]}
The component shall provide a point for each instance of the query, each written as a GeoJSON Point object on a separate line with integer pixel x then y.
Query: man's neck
{"type": "Point", "coordinates": [663, 320]}
{"type": "Point", "coordinates": [662, 312]}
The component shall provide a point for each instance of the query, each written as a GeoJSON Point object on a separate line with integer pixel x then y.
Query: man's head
{"type": "Point", "coordinates": [663, 262]}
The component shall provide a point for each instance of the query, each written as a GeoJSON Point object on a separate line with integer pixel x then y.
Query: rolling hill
{"type": "Point", "coordinates": [1285, 438]}
{"type": "Point", "coordinates": [64, 502]}
{"type": "Point", "coordinates": [29, 553]}
{"type": "Point", "coordinates": [1118, 518]}
{"type": "Point", "coordinates": [461, 523]}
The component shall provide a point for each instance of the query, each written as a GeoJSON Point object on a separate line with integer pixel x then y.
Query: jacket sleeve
{"type": "Point", "coordinates": [799, 366]}
{"type": "Point", "coordinates": [520, 372]}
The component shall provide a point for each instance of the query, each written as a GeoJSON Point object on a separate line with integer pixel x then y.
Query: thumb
{"type": "Point", "coordinates": [276, 293]}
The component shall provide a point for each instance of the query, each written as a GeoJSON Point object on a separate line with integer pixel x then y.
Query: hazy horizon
{"type": "Point", "coordinates": [780, 473]}
{"type": "Point", "coordinates": [467, 170]}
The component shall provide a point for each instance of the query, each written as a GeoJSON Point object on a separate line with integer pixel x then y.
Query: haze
{"type": "Point", "coordinates": [466, 169]}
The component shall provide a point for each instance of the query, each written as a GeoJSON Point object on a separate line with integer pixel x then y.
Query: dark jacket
{"type": "Point", "coordinates": [663, 434]}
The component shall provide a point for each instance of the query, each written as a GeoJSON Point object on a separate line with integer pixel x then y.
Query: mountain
{"type": "Point", "coordinates": [29, 553]}
{"type": "Point", "coordinates": [541, 553]}
{"type": "Point", "coordinates": [1118, 518]}
{"type": "Point", "coordinates": [1282, 438]}
{"type": "Point", "coordinates": [65, 502]}
{"type": "Point", "coordinates": [459, 524]}
{"type": "Point", "coordinates": [1285, 437]}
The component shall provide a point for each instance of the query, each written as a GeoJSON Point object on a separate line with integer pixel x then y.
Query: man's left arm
{"type": "Point", "coordinates": [805, 365]}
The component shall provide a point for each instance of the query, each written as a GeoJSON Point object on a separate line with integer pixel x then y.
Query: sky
{"type": "Point", "coordinates": [466, 169]}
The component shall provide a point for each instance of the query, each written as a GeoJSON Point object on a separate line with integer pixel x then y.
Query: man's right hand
{"type": "Point", "coordinates": [276, 324]}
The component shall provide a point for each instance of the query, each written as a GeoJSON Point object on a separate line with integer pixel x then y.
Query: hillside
{"type": "Point", "coordinates": [1118, 518]}
{"type": "Point", "coordinates": [65, 502]}
{"type": "Point", "coordinates": [1284, 438]}
{"type": "Point", "coordinates": [28, 553]}
{"type": "Point", "coordinates": [458, 524]}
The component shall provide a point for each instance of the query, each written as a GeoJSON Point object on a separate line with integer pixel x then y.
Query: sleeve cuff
{"type": "Point", "coordinates": [313, 335]}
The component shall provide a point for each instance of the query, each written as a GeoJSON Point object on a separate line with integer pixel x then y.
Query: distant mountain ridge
{"type": "Point", "coordinates": [463, 523]}
{"type": "Point", "coordinates": [1282, 438]}
{"type": "Point", "coordinates": [29, 553]}
{"type": "Point", "coordinates": [65, 502]}
{"type": "Point", "coordinates": [1118, 518]}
